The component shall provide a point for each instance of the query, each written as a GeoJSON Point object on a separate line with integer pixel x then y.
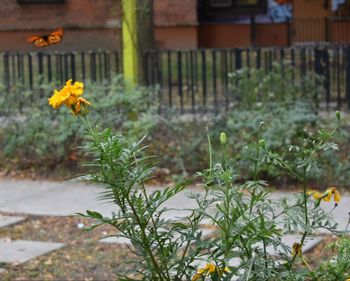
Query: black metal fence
{"type": "Point", "coordinates": [191, 81]}
{"type": "Point", "coordinates": [30, 70]}
{"type": "Point", "coordinates": [197, 80]}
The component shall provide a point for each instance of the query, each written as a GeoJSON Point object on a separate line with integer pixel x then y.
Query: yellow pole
{"type": "Point", "coordinates": [129, 33]}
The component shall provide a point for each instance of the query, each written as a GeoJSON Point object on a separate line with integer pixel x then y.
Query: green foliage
{"type": "Point", "coordinates": [338, 267]}
{"type": "Point", "coordinates": [245, 219]}
{"type": "Point", "coordinates": [36, 133]}
{"type": "Point", "coordinates": [254, 86]}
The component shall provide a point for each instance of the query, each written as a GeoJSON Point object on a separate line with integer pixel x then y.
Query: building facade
{"type": "Point", "coordinates": [95, 24]}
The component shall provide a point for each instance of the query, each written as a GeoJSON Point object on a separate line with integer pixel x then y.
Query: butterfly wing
{"type": "Point", "coordinates": [37, 41]}
{"type": "Point", "coordinates": [55, 37]}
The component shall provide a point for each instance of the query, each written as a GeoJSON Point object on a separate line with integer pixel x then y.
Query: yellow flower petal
{"type": "Point", "coordinates": [332, 191]}
{"type": "Point", "coordinates": [337, 196]}
{"type": "Point", "coordinates": [69, 95]}
{"type": "Point", "coordinates": [208, 270]}
{"type": "Point", "coordinates": [317, 195]}
{"type": "Point", "coordinates": [58, 99]}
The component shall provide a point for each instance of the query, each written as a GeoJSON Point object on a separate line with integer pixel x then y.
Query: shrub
{"type": "Point", "coordinates": [35, 134]}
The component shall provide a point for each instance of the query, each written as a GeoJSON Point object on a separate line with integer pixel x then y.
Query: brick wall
{"type": "Point", "coordinates": [91, 24]}
{"type": "Point", "coordinates": [70, 14]}
{"type": "Point", "coordinates": [175, 12]}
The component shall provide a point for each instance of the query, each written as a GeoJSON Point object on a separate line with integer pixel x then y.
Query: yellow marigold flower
{"type": "Point", "coordinates": [315, 194]}
{"type": "Point", "coordinates": [69, 95]}
{"type": "Point", "coordinates": [207, 271]}
{"type": "Point", "coordinates": [327, 195]}
{"type": "Point", "coordinates": [296, 249]}
{"type": "Point", "coordinates": [332, 191]}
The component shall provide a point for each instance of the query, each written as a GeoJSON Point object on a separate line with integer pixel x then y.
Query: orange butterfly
{"type": "Point", "coordinates": [46, 39]}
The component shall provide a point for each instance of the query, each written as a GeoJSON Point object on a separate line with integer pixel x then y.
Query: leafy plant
{"type": "Point", "coordinates": [242, 213]}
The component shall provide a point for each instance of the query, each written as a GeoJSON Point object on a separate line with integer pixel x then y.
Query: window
{"type": "Point", "coordinates": [220, 3]}
{"type": "Point", "coordinates": [247, 2]}
{"type": "Point", "coordinates": [39, 1]}
{"type": "Point", "coordinates": [227, 10]}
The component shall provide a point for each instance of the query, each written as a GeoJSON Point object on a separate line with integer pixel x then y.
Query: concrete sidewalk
{"type": "Point", "coordinates": [68, 198]}
{"type": "Point", "coordinates": [65, 198]}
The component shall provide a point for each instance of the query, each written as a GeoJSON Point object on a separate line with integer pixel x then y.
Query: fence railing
{"type": "Point", "coordinates": [197, 80]}
{"type": "Point", "coordinates": [192, 81]}
{"type": "Point", "coordinates": [30, 70]}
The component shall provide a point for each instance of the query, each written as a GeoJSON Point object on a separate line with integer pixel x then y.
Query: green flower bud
{"type": "Point", "coordinates": [337, 113]}
{"type": "Point", "coordinates": [262, 142]}
{"type": "Point", "coordinates": [261, 124]}
{"type": "Point", "coordinates": [223, 138]}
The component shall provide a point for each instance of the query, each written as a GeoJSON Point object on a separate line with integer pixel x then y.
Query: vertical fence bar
{"type": "Point", "coordinates": [326, 73]}
{"type": "Point", "coordinates": [238, 59]}
{"type": "Point", "coordinates": [347, 57]}
{"type": "Point", "coordinates": [13, 68]}
{"type": "Point", "coordinates": [60, 68]}
{"type": "Point", "coordinates": [21, 80]}
{"type": "Point", "coordinates": [224, 66]}
{"type": "Point", "coordinates": [66, 71]}
{"type": "Point", "coordinates": [19, 70]}
{"type": "Point", "coordinates": [282, 55]}
{"type": "Point", "coordinates": [258, 58]}
{"type": "Point", "coordinates": [6, 71]}
{"type": "Point", "coordinates": [204, 79]}
{"type": "Point", "coordinates": [292, 57]}
{"type": "Point", "coordinates": [270, 59]}
{"type": "Point", "coordinates": [338, 78]}
{"type": "Point", "coordinates": [83, 71]}
{"type": "Point", "coordinates": [170, 86]}
{"type": "Point", "coordinates": [159, 64]}
{"type": "Point", "coordinates": [266, 62]}
{"type": "Point", "coordinates": [105, 66]}
{"type": "Point", "coordinates": [49, 68]}
{"type": "Point", "coordinates": [248, 61]}
{"type": "Point", "coordinates": [147, 70]}
{"type": "Point", "coordinates": [195, 73]}
{"type": "Point", "coordinates": [213, 53]}
{"type": "Point", "coordinates": [93, 66]}
{"type": "Point", "coordinates": [108, 64]}
{"type": "Point", "coordinates": [41, 74]}
{"type": "Point", "coordinates": [30, 72]}
{"type": "Point", "coordinates": [179, 80]}
{"type": "Point", "coordinates": [72, 66]}
{"type": "Point", "coordinates": [117, 62]}
{"type": "Point", "coordinates": [302, 67]}
{"type": "Point", "coordinates": [193, 102]}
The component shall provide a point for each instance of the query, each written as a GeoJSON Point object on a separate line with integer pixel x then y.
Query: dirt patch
{"type": "Point", "coordinates": [82, 257]}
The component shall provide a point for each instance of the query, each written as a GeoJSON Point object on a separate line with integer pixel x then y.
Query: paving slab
{"type": "Point", "coordinates": [50, 198]}
{"type": "Point", "coordinates": [116, 240]}
{"type": "Point", "coordinates": [8, 220]}
{"type": "Point", "coordinates": [68, 198]}
{"type": "Point", "coordinates": [20, 251]}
